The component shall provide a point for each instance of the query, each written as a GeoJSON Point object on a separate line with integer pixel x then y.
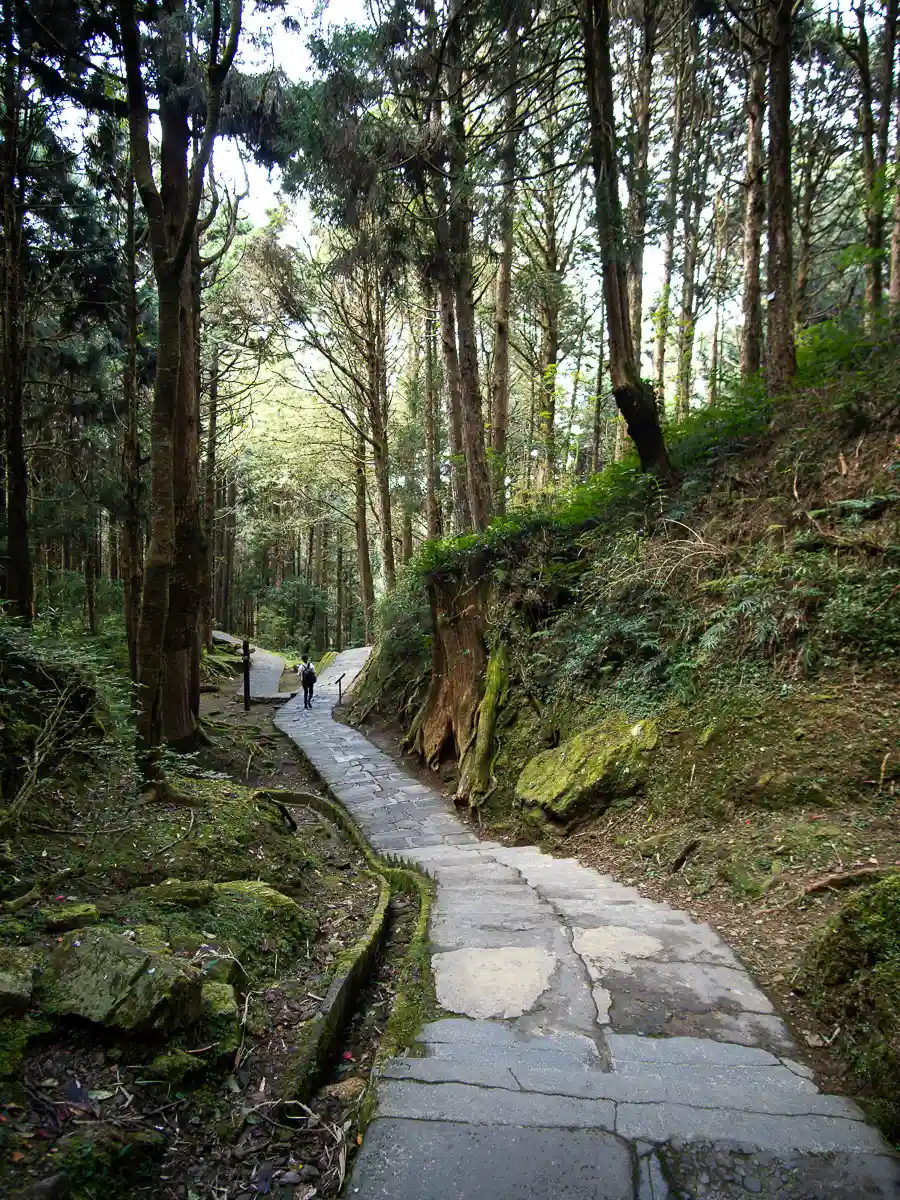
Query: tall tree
{"type": "Point", "coordinates": [634, 400]}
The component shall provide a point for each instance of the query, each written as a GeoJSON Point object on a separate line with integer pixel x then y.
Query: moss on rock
{"type": "Point", "coordinates": [63, 917]}
{"type": "Point", "coordinates": [190, 893]}
{"type": "Point", "coordinates": [590, 770]}
{"type": "Point", "coordinates": [17, 966]}
{"type": "Point", "coordinates": [221, 1020]}
{"type": "Point", "coordinates": [247, 913]}
{"type": "Point", "coordinates": [175, 1065]}
{"type": "Point", "coordinates": [104, 978]}
{"type": "Point", "coordinates": [852, 975]}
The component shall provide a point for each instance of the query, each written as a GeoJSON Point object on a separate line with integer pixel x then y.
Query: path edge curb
{"type": "Point", "coordinates": [355, 965]}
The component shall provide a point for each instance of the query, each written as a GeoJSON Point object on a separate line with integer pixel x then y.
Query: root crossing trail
{"type": "Point", "coordinates": [602, 1047]}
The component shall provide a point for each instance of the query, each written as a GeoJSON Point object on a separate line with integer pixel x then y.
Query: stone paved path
{"type": "Point", "coordinates": [603, 1045]}
{"type": "Point", "coordinates": [266, 670]}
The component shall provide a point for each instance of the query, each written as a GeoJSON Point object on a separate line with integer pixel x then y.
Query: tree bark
{"type": "Point", "coordinates": [339, 591]}
{"type": "Point", "coordinates": [500, 376]}
{"type": "Point", "coordinates": [364, 562]}
{"type": "Point", "coordinates": [639, 183]}
{"type": "Point", "coordinates": [635, 402]}
{"type": "Point", "coordinates": [15, 153]}
{"type": "Point", "coordinates": [166, 666]}
{"type": "Point", "coordinates": [432, 502]}
{"type": "Point", "coordinates": [209, 497]}
{"type": "Point", "coordinates": [132, 532]}
{"type": "Point", "coordinates": [459, 214]}
{"type": "Point", "coordinates": [663, 315]}
{"type": "Point", "coordinates": [462, 518]}
{"type": "Point", "coordinates": [781, 357]}
{"type": "Point", "coordinates": [754, 215]}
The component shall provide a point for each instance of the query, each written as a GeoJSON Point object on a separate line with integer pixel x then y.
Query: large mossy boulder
{"type": "Point", "coordinates": [107, 979]}
{"type": "Point", "coordinates": [589, 771]}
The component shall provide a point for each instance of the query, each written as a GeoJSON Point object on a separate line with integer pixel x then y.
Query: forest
{"type": "Point", "coordinates": [550, 349]}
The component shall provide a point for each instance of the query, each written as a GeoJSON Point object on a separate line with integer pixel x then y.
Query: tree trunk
{"type": "Point", "coordinates": [459, 214]}
{"type": "Point", "coordinates": [500, 376]}
{"type": "Point", "coordinates": [339, 589]}
{"type": "Point", "coordinates": [209, 498]}
{"type": "Point", "coordinates": [432, 482]}
{"type": "Point", "coordinates": [596, 450]}
{"type": "Point", "coordinates": [635, 402]}
{"type": "Point", "coordinates": [167, 666]}
{"type": "Point", "coordinates": [15, 155]}
{"type": "Point", "coordinates": [663, 313]}
{"type": "Point", "coordinates": [364, 562]}
{"type": "Point", "coordinates": [639, 183]}
{"type": "Point", "coordinates": [754, 214]}
{"type": "Point", "coordinates": [781, 357]}
{"type": "Point", "coordinates": [462, 518]}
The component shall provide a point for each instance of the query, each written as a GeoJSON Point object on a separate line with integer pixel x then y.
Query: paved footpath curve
{"type": "Point", "coordinates": [604, 1043]}
{"type": "Point", "coordinates": [266, 670]}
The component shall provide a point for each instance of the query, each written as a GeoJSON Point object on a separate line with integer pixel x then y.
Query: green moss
{"type": "Point", "coordinates": [15, 1034]}
{"type": "Point", "coordinates": [106, 1163]}
{"type": "Point", "coordinates": [63, 917]}
{"type": "Point", "coordinates": [175, 1065]}
{"type": "Point", "coordinates": [852, 975]}
{"type": "Point", "coordinates": [220, 1022]}
{"type": "Point", "coordinates": [590, 770]}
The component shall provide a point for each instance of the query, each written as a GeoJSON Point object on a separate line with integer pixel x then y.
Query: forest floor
{"type": "Point", "coordinates": [85, 1111]}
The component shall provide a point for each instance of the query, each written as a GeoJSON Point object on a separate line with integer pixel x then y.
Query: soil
{"type": "Point", "coordinates": [227, 1133]}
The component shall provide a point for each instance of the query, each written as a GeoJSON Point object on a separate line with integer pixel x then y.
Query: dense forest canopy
{"type": "Point", "coordinates": [514, 243]}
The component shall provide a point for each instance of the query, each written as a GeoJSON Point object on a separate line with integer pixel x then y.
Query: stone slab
{"type": "Point", "coordinates": [492, 1106]}
{"type": "Point", "coordinates": [423, 1160]}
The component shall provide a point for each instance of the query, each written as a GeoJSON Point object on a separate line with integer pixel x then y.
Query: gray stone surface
{"type": "Point", "coordinates": [424, 1160]}
{"type": "Point", "coordinates": [617, 1047]}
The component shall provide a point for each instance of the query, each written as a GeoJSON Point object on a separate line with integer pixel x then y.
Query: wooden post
{"type": "Point", "coordinates": [245, 650]}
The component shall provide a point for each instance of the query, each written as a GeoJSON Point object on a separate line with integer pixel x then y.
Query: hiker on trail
{"type": "Point", "coordinates": [308, 679]}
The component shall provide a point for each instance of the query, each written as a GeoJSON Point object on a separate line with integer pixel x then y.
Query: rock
{"type": "Point", "coordinates": [17, 964]}
{"type": "Point", "coordinates": [52, 1187]}
{"type": "Point", "coordinates": [175, 1065]}
{"type": "Point", "coordinates": [248, 912]}
{"type": "Point", "coordinates": [589, 770]}
{"type": "Point", "coordinates": [151, 937]}
{"type": "Point", "coordinates": [69, 916]}
{"type": "Point", "coordinates": [345, 1091]}
{"type": "Point", "coordinates": [220, 1020]}
{"type": "Point", "coordinates": [105, 978]}
{"type": "Point", "coordinates": [191, 893]}
{"type": "Point", "coordinates": [109, 1156]}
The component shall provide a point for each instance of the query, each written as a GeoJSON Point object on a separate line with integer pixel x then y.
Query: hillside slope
{"type": "Point", "coordinates": [696, 689]}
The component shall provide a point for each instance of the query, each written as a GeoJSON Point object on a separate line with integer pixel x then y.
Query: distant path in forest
{"type": "Point", "coordinates": [602, 1047]}
{"type": "Point", "coordinates": [266, 669]}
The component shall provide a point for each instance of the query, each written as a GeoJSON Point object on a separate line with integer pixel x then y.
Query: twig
{"type": "Point", "coordinates": [847, 878]}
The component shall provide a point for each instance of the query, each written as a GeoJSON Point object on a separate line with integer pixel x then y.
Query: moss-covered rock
{"type": "Point", "coordinates": [63, 917]}
{"type": "Point", "coordinates": [221, 1019]}
{"type": "Point", "coordinates": [151, 937]}
{"type": "Point", "coordinates": [590, 770]}
{"type": "Point", "coordinates": [175, 1065]}
{"type": "Point", "coordinates": [247, 913]}
{"type": "Point", "coordinates": [15, 1034]}
{"type": "Point", "coordinates": [105, 978]}
{"type": "Point", "coordinates": [107, 1162]}
{"type": "Point", "coordinates": [190, 893]}
{"type": "Point", "coordinates": [17, 965]}
{"type": "Point", "coordinates": [851, 973]}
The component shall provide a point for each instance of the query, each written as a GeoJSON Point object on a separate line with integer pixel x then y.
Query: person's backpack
{"type": "Point", "coordinates": [308, 674]}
